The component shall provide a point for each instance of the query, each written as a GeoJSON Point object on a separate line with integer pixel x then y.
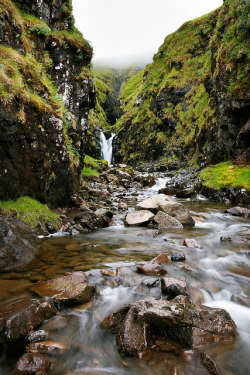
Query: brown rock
{"type": "Point", "coordinates": [188, 324]}
{"type": "Point", "coordinates": [69, 290]}
{"type": "Point", "coordinates": [196, 296]}
{"type": "Point", "coordinates": [113, 320]}
{"type": "Point", "coordinates": [191, 242]}
{"type": "Point", "coordinates": [164, 344]}
{"type": "Point", "coordinates": [45, 347]}
{"type": "Point", "coordinates": [151, 269]}
{"type": "Point", "coordinates": [132, 336]}
{"type": "Point", "coordinates": [166, 282]}
{"type": "Point", "coordinates": [20, 318]}
{"type": "Point", "coordinates": [108, 272]}
{"type": "Point", "coordinates": [160, 259]}
{"type": "Point", "coordinates": [138, 218]}
{"type": "Point", "coordinates": [33, 363]}
{"type": "Point", "coordinates": [187, 355]}
{"type": "Point", "coordinates": [145, 355]}
{"type": "Point", "coordinates": [209, 364]}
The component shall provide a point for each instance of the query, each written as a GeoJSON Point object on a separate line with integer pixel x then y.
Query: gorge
{"type": "Point", "coordinates": [124, 199]}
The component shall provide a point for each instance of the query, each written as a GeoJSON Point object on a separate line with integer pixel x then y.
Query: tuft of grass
{"type": "Point", "coordinates": [226, 174]}
{"type": "Point", "coordinates": [29, 211]}
{"type": "Point", "coordinates": [88, 172]}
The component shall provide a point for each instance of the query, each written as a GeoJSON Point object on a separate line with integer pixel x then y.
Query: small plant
{"type": "Point", "coordinates": [41, 29]}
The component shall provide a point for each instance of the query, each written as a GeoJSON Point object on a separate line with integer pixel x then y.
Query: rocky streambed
{"type": "Point", "coordinates": [167, 295]}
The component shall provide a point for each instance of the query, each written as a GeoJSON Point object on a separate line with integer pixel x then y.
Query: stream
{"type": "Point", "coordinates": [215, 273]}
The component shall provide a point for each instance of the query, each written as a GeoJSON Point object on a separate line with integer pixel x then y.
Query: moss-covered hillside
{"type": "Point", "coordinates": [192, 103]}
{"type": "Point", "coordinates": [45, 97]}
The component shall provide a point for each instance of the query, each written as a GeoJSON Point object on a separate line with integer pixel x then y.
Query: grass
{"type": "Point", "coordinates": [29, 211]}
{"type": "Point", "coordinates": [88, 172]}
{"type": "Point", "coordinates": [226, 174]}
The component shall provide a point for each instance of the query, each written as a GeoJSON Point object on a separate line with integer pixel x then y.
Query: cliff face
{"type": "Point", "coordinates": [192, 103]}
{"type": "Point", "coordinates": [46, 93]}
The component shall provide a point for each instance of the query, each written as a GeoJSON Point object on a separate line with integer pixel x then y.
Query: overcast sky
{"type": "Point", "coordinates": [122, 28]}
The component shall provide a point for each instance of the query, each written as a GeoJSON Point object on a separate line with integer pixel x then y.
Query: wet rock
{"type": "Point", "coordinates": [68, 290]}
{"type": "Point", "coordinates": [20, 318]}
{"type": "Point", "coordinates": [18, 243]}
{"type": "Point", "coordinates": [36, 336]}
{"type": "Point", "coordinates": [197, 296]}
{"type": "Point", "coordinates": [45, 347]}
{"type": "Point", "coordinates": [151, 269]}
{"type": "Point", "coordinates": [179, 257]}
{"type": "Point", "coordinates": [191, 242]}
{"type": "Point", "coordinates": [209, 364]}
{"type": "Point", "coordinates": [113, 320]}
{"type": "Point", "coordinates": [186, 268]}
{"type": "Point", "coordinates": [174, 290]}
{"type": "Point", "coordinates": [145, 180]}
{"type": "Point", "coordinates": [164, 344]}
{"type": "Point", "coordinates": [180, 320]}
{"type": "Point", "coordinates": [108, 273]}
{"type": "Point", "coordinates": [152, 204]}
{"type": "Point", "coordinates": [238, 211]}
{"type": "Point", "coordinates": [138, 217]}
{"type": "Point", "coordinates": [179, 212]}
{"type": "Point", "coordinates": [241, 300]}
{"type": "Point", "coordinates": [132, 336]}
{"type": "Point", "coordinates": [105, 215]}
{"type": "Point", "coordinates": [33, 364]}
{"type": "Point", "coordinates": [163, 220]}
{"type": "Point", "coordinates": [160, 259]}
{"type": "Point", "coordinates": [145, 355]}
{"type": "Point", "coordinates": [151, 282]}
{"type": "Point", "coordinates": [236, 239]}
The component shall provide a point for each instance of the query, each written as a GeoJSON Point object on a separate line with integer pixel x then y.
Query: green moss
{"type": "Point", "coordinates": [88, 172]}
{"type": "Point", "coordinates": [30, 211]}
{"type": "Point", "coordinates": [226, 175]}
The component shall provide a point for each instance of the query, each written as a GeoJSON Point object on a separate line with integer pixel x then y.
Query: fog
{"type": "Point", "coordinates": [122, 29]}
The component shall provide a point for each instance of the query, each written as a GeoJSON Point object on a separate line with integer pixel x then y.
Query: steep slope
{"type": "Point", "coordinates": [192, 103]}
{"type": "Point", "coordinates": [45, 94]}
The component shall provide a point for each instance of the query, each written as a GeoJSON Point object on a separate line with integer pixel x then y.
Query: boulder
{"type": "Point", "coordinates": [68, 290]}
{"type": "Point", "coordinates": [238, 211]}
{"type": "Point", "coordinates": [152, 204]}
{"type": "Point", "coordinates": [150, 282]}
{"type": "Point", "coordinates": [20, 318]}
{"type": "Point", "coordinates": [138, 217]}
{"type": "Point", "coordinates": [18, 243]}
{"type": "Point", "coordinates": [36, 336]}
{"type": "Point", "coordinates": [181, 320]}
{"type": "Point", "coordinates": [33, 363]}
{"type": "Point", "coordinates": [167, 282]}
{"type": "Point", "coordinates": [163, 220]}
{"type": "Point", "coordinates": [132, 336]}
{"type": "Point", "coordinates": [178, 211]}
{"type": "Point", "coordinates": [151, 269]}
{"type": "Point", "coordinates": [45, 347]}
{"type": "Point", "coordinates": [179, 257]}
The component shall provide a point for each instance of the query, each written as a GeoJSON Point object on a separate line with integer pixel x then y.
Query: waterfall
{"type": "Point", "coordinates": [106, 147]}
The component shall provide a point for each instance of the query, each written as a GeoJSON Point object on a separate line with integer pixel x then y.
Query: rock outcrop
{"type": "Point", "coordinates": [45, 104]}
{"type": "Point", "coordinates": [181, 320]}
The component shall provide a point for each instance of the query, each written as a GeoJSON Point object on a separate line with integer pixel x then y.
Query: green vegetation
{"type": "Point", "coordinates": [88, 172]}
{"type": "Point", "coordinates": [169, 109]}
{"type": "Point", "coordinates": [226, 174]}
{"type": "Point", "coordinates": [93, 166]}
{"type": "Point", "coordinates": [30, 211]}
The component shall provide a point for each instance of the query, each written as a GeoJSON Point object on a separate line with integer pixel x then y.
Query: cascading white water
{"type": "Point", "coordinates": [106, 147]}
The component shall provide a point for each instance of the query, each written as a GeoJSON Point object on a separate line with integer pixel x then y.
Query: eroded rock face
{"type": "Point", "coordinates": [181, 320]}
{"type": "Point", "coordinates": [69, 290]}
{"type": "Point", "coordinates": [20, 318]}
{"type": "Point", "coordinates": [18, 243]}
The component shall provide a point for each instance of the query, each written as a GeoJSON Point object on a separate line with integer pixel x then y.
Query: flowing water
{"type": "Point", "coordinates": [106, 147]}
{"type": "Point", "coordinates": [219, 270]}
